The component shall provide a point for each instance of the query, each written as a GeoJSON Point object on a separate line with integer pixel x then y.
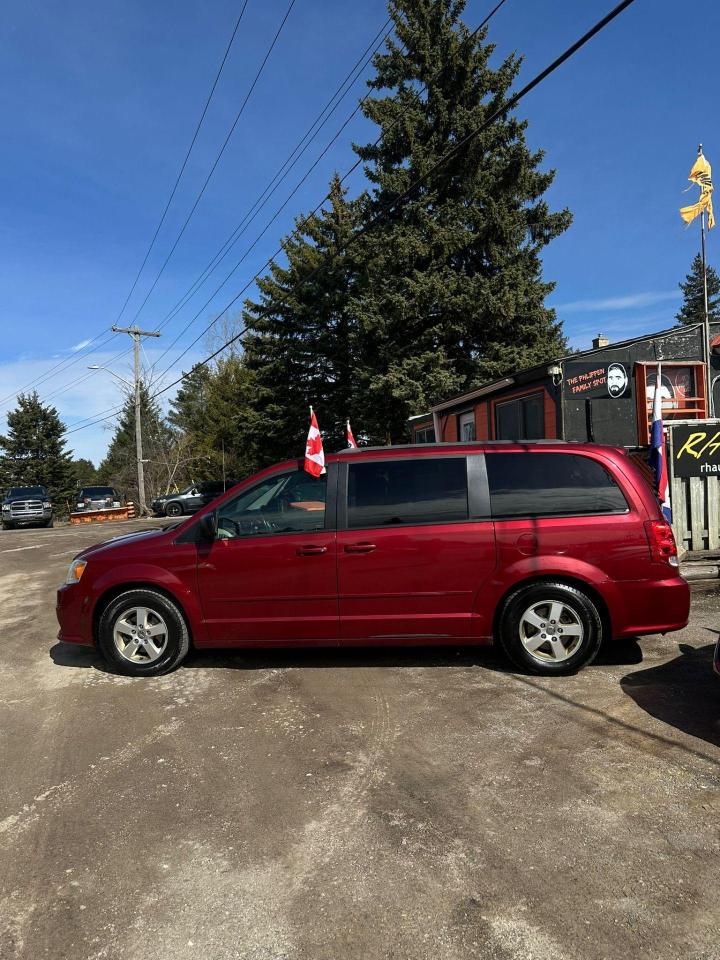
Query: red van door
{"type": "Point", "coordinates": [270, 575]}
{"type": "Point", "coordinates": [410, 559]}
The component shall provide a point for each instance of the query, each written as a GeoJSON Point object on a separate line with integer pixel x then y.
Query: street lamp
{"type": "Point", "coordinates": [112, 373]}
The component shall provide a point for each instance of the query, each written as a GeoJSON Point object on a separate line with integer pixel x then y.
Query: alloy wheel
{"type": "Point", "coordinates": [140, 635]}
{"type": "Point", "coordinates": [551, 631]}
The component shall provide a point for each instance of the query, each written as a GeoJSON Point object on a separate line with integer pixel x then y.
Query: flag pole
{"type": "Point", "coordinates": [706, 320]}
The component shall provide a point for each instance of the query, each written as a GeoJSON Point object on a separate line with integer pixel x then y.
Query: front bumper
{"type": "Point", "coordinates": [74, 613]}
{"type": "Point", "coordinates": [27, 517]}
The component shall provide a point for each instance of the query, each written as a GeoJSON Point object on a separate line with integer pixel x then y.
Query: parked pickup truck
{"type": "Point", "coordinates": [97, 498]}
{"type": "Point", "coordinates": [23, 506]}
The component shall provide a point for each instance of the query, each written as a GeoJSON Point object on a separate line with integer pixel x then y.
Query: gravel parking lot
{"type": "Point", "coordinates": [279, 805]}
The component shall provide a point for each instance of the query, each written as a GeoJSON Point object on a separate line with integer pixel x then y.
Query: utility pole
{"type": "Point", "coordinates": [136, 333]}
{"type": "Point", "coordinates": [707, 353]}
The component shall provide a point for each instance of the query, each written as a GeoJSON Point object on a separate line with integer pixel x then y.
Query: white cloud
{"type": "Point", "coordinates": [79, 346]}
{"type": "Point", "coordinates": [78, 393]}
{"type": "Point", "coordinates": [633, 301]}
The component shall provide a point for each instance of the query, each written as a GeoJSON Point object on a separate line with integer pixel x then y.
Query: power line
{"type": "Point", "coordinates": [293, 158]}
{"type": "Point", "coordinates": [217, 159]}
{"type": "Point", "coordinates": [296, 231]}
{"type": "Point", "coordinates": [322, 266]}
{"type": "Point", "coordinates": [270, 189]}
{"type": "Point", "coordinates": [389, 207]}
{"type": "Point", "coordinates": [285, 168]}
{"type": "Point", "coordinates": [257, 239]}
{"type": "Point", "coordinates": [185, 160]}
{"type": "Point", "coordinates": [70, 361]}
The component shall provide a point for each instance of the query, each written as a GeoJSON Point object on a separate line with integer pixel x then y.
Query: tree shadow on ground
{"type": "Point", "coordinates": [683, 692]}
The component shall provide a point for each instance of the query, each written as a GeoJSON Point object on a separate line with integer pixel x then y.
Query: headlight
{"type": "Point", "coordinates": [47, 505]}
{"type": "Point", "coordinates": [75, 571]}
{"type": "Point", "coordinates": [6, 506]}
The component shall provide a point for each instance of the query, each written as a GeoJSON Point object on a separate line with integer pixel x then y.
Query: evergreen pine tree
{"type": "Point", "coordinates": [302, 348]}
{"type": "Point", "coordinates": [33, 450]}
{"type": "Point", "coordinates": [188, 406]}
{"type": "Point", "coordinates": [85, 472]}
{"type": "Point", "coordinates": [693, 306]}
{"type": "Point", "coordinates": [453, 292]}
{"type": "Point", "coordinates": [119, 467]}
{"type": "Point", "coordinates": [211, 412]}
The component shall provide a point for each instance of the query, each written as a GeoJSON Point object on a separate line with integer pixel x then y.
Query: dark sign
{"type": "Point", "coordinates": [696, 449]}
{"type": "Point", "coordinates": [583, 379]}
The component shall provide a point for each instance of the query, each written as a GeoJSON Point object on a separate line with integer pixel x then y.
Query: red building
{"type": "Point", "coordinates": [602, 395]}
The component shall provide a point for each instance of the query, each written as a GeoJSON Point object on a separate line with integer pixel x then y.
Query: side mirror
{"type": "Point", "coordinates": [206, 528]}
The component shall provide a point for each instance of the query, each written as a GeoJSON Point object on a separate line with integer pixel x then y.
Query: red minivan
{"type": "Point", "coordinates": [546, 547]}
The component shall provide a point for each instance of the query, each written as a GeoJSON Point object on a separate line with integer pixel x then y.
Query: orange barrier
{"type": "Point", "coordinates": [100, 516]}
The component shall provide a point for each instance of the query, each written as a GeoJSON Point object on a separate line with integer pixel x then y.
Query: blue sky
{"type": "Point", "coordinates": [99, 101]}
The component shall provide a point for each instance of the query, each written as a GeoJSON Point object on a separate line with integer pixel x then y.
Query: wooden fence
{"type": "Point", "coordinates": [695, 500]}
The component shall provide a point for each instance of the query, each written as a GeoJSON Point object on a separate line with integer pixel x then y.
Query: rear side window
{"type": "Point", "coordinates": [392, 492]}
{"type": "Point", "coordinates": [550, 485]}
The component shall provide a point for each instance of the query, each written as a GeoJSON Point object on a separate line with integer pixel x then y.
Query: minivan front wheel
{"type": "Point", "coordinates": [142, 633]}
{"type": "Point", "coordinates": [550, 628]}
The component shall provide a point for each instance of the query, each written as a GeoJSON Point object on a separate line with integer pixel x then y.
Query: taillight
{"type": "Point", "coordinates": [662, 541]}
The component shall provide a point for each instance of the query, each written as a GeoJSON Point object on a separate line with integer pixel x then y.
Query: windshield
{"type": "Point", "coordinates": [97, 492]}
{"type": "Point", "coordinates": [26, 492]}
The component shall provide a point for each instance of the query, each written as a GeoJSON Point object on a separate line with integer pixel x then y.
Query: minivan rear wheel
{"type": "Point", "coordinates": [550, 628]}
{"type": "Point", "coordinates": [142, 633]}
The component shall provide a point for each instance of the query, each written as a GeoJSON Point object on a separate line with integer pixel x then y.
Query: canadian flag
{"type": "Point", "coordinates": [349, 436]}
{"type": "Point", "coordinates": [314, 453]}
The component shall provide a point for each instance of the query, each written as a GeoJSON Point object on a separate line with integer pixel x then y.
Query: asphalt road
{"type": "Point", "coordinates": [334, 805]}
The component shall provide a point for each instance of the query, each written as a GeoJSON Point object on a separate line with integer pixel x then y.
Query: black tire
{"type": "Point", "coordinates": [48, 523]}
{"type": "Point", "coordinates": [174, 509]}
{"type": "Point", "coordinates": [177, 642]}
{"type": "Point", "coordinates": [7, 526]}
{"type": "Point", "coordinates": [579, 630]}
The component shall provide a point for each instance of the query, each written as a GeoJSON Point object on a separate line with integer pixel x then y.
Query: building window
{"type": "Point", "coordinates": [466, 426]}
{"type": "Point", "coordinates": [683, 392]}
{"type": "Point", "coordinates": [521, 419]}
{"type": "Point", "coordinates": [390, 493]}
{"type": "Point", "coordinates": [425, 435]}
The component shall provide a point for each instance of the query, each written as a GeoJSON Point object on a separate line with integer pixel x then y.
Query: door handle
{"type": "Point", "coordinates": [360, 547]}
{"type": "Point", "coordinates": [310, 550]}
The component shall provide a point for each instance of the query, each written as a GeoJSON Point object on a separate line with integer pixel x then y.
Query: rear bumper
{"type": "Point", "coordinates": [650, 606]}
{"type": "Point", "coordinates": [74, 613]}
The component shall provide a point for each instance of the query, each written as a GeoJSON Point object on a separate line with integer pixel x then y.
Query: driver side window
{"type": "Point", "coordinates": [291, 502]}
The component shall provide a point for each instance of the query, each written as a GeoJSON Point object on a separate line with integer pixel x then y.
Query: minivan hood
{"type": "Point", "coordinates": [107, 545]}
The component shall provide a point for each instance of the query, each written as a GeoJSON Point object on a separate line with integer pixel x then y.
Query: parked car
{"type": "Point", "coordinates": [189, 500]}
{"type": "Point", "coordinates": [547, 548]}
{"type": "Point", "coordinates": [98, 498]}
{"type": "Point", "coordinates": [23, 506]}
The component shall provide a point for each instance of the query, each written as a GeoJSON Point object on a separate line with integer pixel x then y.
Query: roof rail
{"type": "Point", "coordinates": [449, 444]}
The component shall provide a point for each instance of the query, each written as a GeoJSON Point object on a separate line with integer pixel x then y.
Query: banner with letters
{"type": "Point", "coordinates": [695, 449]}
{"type": "Point", "coordinates": [596, 380]}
